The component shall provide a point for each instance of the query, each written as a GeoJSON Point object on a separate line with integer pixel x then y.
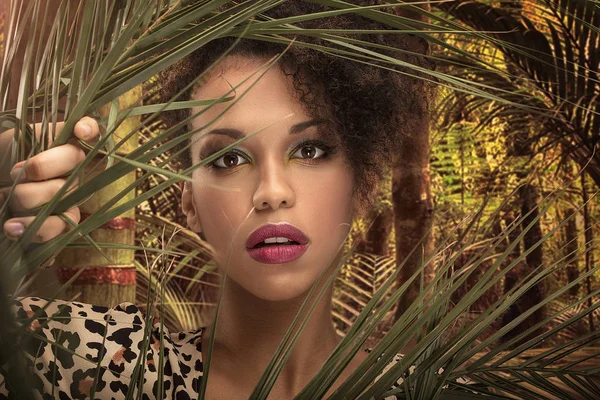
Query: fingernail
{"type": "Point", "coordinates": [18, 172]}
{"type": "Point", "coordinates": [14, 229]}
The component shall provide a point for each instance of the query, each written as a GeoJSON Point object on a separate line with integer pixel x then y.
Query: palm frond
{"type": "Point", "coordinates": [552, 82]}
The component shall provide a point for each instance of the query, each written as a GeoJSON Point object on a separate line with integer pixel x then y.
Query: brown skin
{"type": "Point", "coordinates": [276, 184]}
{"type": "Point", "coordinates": [274, 181]}
{"type": "Point", "coordinates": [242, 334]}
{"type": "Point", "coordinates": [39, 182]}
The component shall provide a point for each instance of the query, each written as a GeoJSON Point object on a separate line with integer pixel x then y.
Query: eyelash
{"type": "Point", "coordinates": [327, 152]}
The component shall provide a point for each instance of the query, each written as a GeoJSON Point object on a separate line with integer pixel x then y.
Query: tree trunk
{"type": "Point", "coordinates": [375, 240]}
{"type": "Point", "coordinates": [589, 253]}
{"type": "Point", "coordinates": [572, 250]}
{"type": "Point", "coordinates": [413, 207]}
{"type": "Point", "coordinates": [511, 277]}
{"type": "Point", "coordinates": [100, 283]}
{"type": "Point", "coordinates": [412, 199]}
{"type": "Point", "coordinates": [528, 197]}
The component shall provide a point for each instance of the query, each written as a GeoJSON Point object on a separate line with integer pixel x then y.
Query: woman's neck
{"type": "Point", "coordinates": [250, 329]}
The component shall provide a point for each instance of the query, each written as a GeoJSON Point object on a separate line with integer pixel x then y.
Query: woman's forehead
{"type": "Point", "coordinates": [261, 99]}
{"type": "Point", "coordinates": [230, 72]}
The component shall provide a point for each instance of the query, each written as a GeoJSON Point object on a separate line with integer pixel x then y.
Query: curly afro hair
{"type": "Point", "coordinates": [370, 108]}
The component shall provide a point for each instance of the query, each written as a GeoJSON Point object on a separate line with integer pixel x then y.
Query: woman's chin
{"type": "Point", "coordinates": [274, 282]}
{"type": "Point", "coordinates": [277, 295]}
{"type": "Point", "coordinates": [267, 288]}
{"type": "Point", "coordinates": [276, 290]}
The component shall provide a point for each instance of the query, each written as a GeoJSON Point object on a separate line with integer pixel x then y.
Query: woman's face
{"type": "Point", "coordinates": [286, 173]}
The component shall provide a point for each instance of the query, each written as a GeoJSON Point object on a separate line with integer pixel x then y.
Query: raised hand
{"type": "Point", "coordinates": [39, 179]}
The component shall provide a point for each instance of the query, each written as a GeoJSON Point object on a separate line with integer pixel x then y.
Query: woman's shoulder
{"type": "Point", "coordinates": [36, 312]}
{"type": "Point", "coordinates": [124, 324]}
{"type": "Point", "coordinates": [28, 309]}
{"type": "Point", "coordinates": [85, 322]}
{"type": "Point", "coordinates": [71, 340]}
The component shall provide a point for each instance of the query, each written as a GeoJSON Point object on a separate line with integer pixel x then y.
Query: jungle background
{"type": "Point", "coordinates": [516, 164]}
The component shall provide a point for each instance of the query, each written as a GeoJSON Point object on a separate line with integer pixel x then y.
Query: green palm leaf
{"type": "Point", "coordinates": [120, 45]}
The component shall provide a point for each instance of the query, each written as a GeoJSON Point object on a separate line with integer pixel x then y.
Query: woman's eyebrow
{"type": "Point", "coordinates": [302, 126]}
{"type": "Point", "coordinates": [237, 134]}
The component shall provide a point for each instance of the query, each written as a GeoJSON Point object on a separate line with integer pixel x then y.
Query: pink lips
{"type": "Point", "coordinates": [276, 254]}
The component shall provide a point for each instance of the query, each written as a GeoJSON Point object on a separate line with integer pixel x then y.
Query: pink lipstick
{"type": "Point", "coordinates": [276, 243]}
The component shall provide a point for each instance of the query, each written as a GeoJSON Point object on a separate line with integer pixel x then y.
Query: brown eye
{"type": "Point", "coordinates": [228, 160]}
{"type": "Point", "coordinates": [309, 151]}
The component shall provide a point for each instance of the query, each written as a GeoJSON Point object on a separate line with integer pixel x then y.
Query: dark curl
{"type": "Point", "coordinates": [371, 108]}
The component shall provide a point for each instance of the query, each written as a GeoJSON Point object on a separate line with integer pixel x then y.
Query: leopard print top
{"type": "Point", "coordinates": [66, 341]}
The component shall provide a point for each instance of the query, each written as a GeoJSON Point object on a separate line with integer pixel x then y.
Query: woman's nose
{"type": "Point", "coordinates": [273, 190]}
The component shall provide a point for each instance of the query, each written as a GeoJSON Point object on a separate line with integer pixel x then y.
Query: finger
{"type": "Point", "coordinates": [48, 164]}
{"type": "Point", "coordinates": [51, 228]}
{"type": "Point", "coordinates": [87, 129]}
{"type": "Point", "coordinates": [6, 143]}
{"type": "Point", "coordinates": [50, 133]}
{"type": "Point", "coordinates": [38, 129]}
{"type": "Point", "coordinates": [28, 196]}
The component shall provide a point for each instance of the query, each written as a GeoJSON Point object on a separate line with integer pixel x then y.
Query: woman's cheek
{"type": "Point", "coordinates": [221, 215]}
